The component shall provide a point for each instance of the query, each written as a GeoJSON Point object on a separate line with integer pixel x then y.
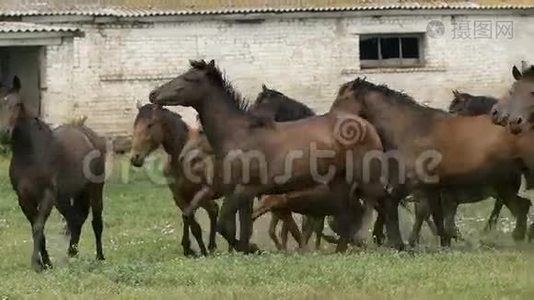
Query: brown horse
{"type": "Point", "coordinates": [199, 148]}
{"type": "Point", "coordinates": [154, 127]}
{"type": "Point", "coordinates": [517, 109]}
{"type": "Point", "coordinates": [274, 105]}
{"type": "Point", "coordinates": [435, 153]}
{"type": "Point", "coordinates": [253, 151]}
{"type": "Point", "coordinates": [63, 167]}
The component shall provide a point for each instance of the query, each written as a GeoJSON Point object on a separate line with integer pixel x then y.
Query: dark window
{"type": "Point", "coordinates": [390, 51]}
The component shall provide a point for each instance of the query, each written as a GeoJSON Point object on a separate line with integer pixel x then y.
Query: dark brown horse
{"type": "Point", "coordinates": [63, 167]}
{"type": "Point", "coordinates": [516, 110]}
{"type": "Point", "coordinates": [156, 127]}
{"type": "Point", "coordinates": [274, 105]}
{"type": "Point", "coordinates": [435, 153]}
{"type": "Point", "coordinates": [465, 104]}
{"type": "Point", "coordinates": [239, 138]}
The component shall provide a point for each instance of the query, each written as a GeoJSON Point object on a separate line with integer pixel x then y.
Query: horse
{"type": "Point", "coordinates": [64, 167]}
{"type": "Point", "coordinates": [156, 127]}
{"type": "Point", "coordinates": [516, 110]}
{"type": "Point", "coordinates": [199, 148]}
{"type": "Point", "coordinates": [262, 146]}
{"type": "Point", "coordinates": [435, 153]}
{"type": "Point", "coordinates": [465, 104]}
{"type": "Point", "coordinates": [270, 103]}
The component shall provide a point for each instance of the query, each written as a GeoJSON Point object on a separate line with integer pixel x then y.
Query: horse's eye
{"type": "Point", "coordinates": [532, 93]}
{"type": "Point", "coordinates": [150, 125]}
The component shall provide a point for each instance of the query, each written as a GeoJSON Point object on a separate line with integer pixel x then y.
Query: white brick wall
{"type": "Point", "coordinates": [104, 73]}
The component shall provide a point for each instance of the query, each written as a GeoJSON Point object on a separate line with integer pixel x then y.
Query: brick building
{"type": "Point", "coordinates": [98, 58]}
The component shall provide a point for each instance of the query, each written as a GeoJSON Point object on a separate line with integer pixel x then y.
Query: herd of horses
{"type": "Point", "coordinates": [375, 142]}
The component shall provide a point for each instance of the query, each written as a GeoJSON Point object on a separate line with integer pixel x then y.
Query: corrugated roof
{"type": "Point", "coordinates": [141, 8]}
{"type": "Point", "coordinates": [14, 27]}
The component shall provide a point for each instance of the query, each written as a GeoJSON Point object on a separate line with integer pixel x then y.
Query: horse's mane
{"type": "Point", "coordinates": [219, 78]}
{"type": "Point", "coordinates": [392, 96]}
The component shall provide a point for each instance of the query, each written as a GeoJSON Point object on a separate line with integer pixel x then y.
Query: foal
{"type": "Point", "coordinates": [154, 127]}
{"type": "Point", "coordinates": [63, 167]}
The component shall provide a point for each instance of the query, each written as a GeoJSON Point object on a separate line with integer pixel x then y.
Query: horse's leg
{"type": "Point", "coordinates": [226, 224]}
{"type": "Point", "coordinates": [212, 208]}
{"type": "Point", "coordinates": [30, 212]}
{"type": "Point", "coordinates": [436, 209]}
{"type": "Point", "coordinates": [39, 240]}
{"type": "Point", "coordinates": [378, 228]}
{"type": "Point", "coordinates": [197, 233]}
{"type": "Point", "coordinates": [179, 200]}
{"type": "Point", "coordinates": [318, 225]}
{"type": "Point", "coordinates": [292, 227]}
{"type": "Point", "coordinates": [392, 223]}
{"type": "Point", "coordinates": [275, 217]}
{"type": "Point", "coordinates": [519, 207]}
{"type": "Point", "coordinates": [343, 225]}
{"type": "Point", "coordinates": [246, 206]}
{"type": "Point", "coordinates": [79, 212]}
{"type": "Point", "coordinates": [307, 229]}
{"type": "Point", "coordinates": [422, 213]}
{"type": "Point", "coordinates": [186, 241]}
{"type": "Point", "coordinates": [97, 206]}
{"type": "Point", "coordinates": [450, 206]}
{"type": "Point", "coordinates": [494, 216]}
{"type": "Point", "coordinates": [284, 232]}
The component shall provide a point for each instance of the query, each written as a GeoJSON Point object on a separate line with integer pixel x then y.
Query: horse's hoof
{"type": "Point", "coordinates": [212, 248]}
{"type": "Point", "coordinates": [190, 253]}
{"type": "Point", "coordinates": [38, 266]}
{"type": "Point", "coordinates": [100, 257]}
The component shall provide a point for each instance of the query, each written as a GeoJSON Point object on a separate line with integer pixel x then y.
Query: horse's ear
{"type": "Point", "coordinates": [211, 64]}
{"type": "Point", "coordinates": [457, 95]}
{"type": "Point", "coordinates": [156, 109]}
{"type": "Point", "coordinates": [138, 104]}
{"type": "Point", "coordinates": [264, 87]}
{"type": "Point", "coordinates": [516, 73]}
{"type": "Point", "coordinates": [16, 84]}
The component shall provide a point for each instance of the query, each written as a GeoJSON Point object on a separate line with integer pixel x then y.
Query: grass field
{"type": "Point", "coordinates": [144, 259]}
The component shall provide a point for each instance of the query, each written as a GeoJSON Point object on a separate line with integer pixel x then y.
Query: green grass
{"type": "Point", "coordinates": [144, 259]}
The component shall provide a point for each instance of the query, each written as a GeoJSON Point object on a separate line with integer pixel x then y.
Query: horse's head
{"type": "Point", "coordinates": [518, 110]}
{"type": "Point", "coordinates": [11, 107]}
{"type": "Point", "coordinates": [147, 133]}
{"type": "Point", "coordinates": [189, 88]}
{"type": "Point", "coordinates": [459, 102]}
{"type": "Point", "coordinates": [351, 98]}
{"type": "Point", "coordinates": [267, 104]}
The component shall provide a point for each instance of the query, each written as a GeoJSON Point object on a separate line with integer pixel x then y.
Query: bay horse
{"type": "Point", "coordinates": [436, 153]}
{"type": "Point", "coordinates": [64, 167]}
{"type": "Point", "coordinates": [321, 201]}
{"type": "Point", "coordinates": [156, 127]}
{"type": "Point", "coordinates": [239, 138]}
{"type": "Point", "coordinates": [516, 110]}
{"type": "Point", "coordinates": [274, 105]}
